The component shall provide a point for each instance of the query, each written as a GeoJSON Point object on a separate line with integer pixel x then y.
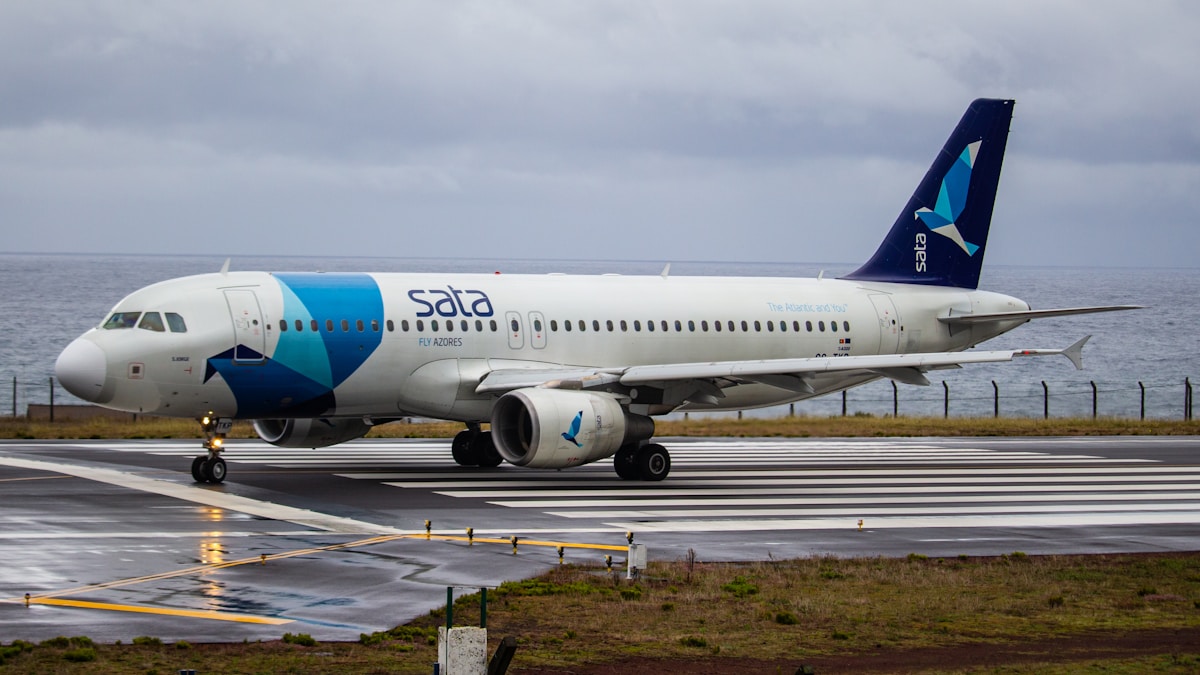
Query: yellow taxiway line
{"type": "Point", "coordinates": [194, 613]}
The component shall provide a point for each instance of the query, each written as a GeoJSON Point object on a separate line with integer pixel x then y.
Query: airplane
{"type": "Point", "coordinates": [567, 370]}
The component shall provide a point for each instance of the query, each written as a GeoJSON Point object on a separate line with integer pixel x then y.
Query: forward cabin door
{"type": "Point", "coordinates": [249, 337]}
{"type": "Point", "coordinates": [516, 337]}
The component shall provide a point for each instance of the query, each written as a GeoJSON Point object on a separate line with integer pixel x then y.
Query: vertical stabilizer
{"type": "Point", "coordinates": [941, 235]}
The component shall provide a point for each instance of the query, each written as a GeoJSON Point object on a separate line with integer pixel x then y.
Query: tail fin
{"type": "Point", "coordinates": [940, 237]}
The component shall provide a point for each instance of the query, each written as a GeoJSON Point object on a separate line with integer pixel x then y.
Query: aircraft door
{"type": "Point", "coordinates": [248, 334]}
{"type": "Point", "coordinates": [516, 338]}
{"type": "Point", "coordinates": [889, 323]}
{"type": "Point", "coordinates": [537, 330]}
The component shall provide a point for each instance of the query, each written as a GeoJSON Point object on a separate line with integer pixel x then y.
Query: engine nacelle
{"type": "Point", "coordinates": [310, 433]}
{"type": "Point", "coordinates": [558, 428]}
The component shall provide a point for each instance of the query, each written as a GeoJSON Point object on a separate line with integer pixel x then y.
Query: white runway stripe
{"type": "Point", "coordinates": [864, 511]}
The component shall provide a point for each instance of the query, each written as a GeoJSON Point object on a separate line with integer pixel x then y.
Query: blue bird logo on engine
{"type": "Point", "coordinates": [574, 430]}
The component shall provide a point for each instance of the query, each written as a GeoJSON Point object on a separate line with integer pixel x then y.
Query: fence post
{"type": "Point", "coordinates": [52, 399]}
{"type": "Point", "coordinates": [843, 403]}
{"type": "Point", "coordinates": [1093, 398]}
{"type": "Point", "coordinates": [1045, 401]}
{"type": "Point", "coordinates": [791, 410]}
{"type": "Point", "coordinates": [895, 400]}
{"type": "Point", "coordinates": [946, 399]}
{"type": "Point", "coordinates": [995, 399]}
{"type": "Point", "coordinates": [14, 397]}
{"type": "Point", "coordinates": [1187, 399]}
{"type": "Point", "coordinates": [1142, 387]}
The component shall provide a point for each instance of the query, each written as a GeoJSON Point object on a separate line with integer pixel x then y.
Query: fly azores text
{"type": "Point", "coordinates": [440, 342]}
{"type": "Point", "coordinates": [451, 302]}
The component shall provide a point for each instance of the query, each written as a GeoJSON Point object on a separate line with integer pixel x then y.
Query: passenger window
{"type": "Point", "coordinates": [731, 327]}
{"type": "Point", "coordinates": [650, 326]}
{"type": "Point", "coordinates": [821, 326]}
{"type": "Point", "coordinates": [345, 326]}
{"type": "Point", "coordinates": [624, 326]}
{"type": "Point", "coordinates": [283, 325]}
{"type": "Point", "coordinates": [595, 325]}
{"type": "Point", "coordinates": [433, 325]}
{"type": "Point", "coordinates": [757, 327]}
{"type": "Point", "coordinates": [846, 326]}
{"type": "Point", "coordinates": [299, 323]}
{"type": "Point", "coordinates": [122, 320]}
{"type": "Point", "coordinates": [493, 326]}
{"type": "Point", "coordinates": [717, 326]}
{"type": "Point", "coordinates": [691, 326]}
{"type": "Point", "coordinates": [808, 326]}
{"type": "Point", "coordinates": [609, 324]}
{"type": "Point", "coordinates": [770, 326]}
{"type": "Point", "coordinates": [374, 325]}
{"type": "Point", "coordinates": [664, 326]}
{"type": "Point", "coordinates": [359, 325]}
{"type": "Point", "coordinates": [567, 325]}
{"type": "Point", "coordinates": [478, 326]}
{"type": "Point", "coordinates": [420, 326]}
{"type": "Point", "coordinates": [449, 325]}
{"type": "Point", "coordinates": [464, 325]}
{"type": "Point", "coordinates": [516, 327]}
{"type": "Point", "coordinates": [328, 325]}
{"type": "Point", "coordinates": [554, 325]}
{"type": "Point", "coordinates": [537, 325]}
{"type": "Point", "coordinates": [796, 326]}
{"type": "Point", "coordinates": [176, 323]}
{"type": "Point", "coordinates": [745, 328]}
{"type": "Point", "coordinates": [637, 326]}
{"type": "Point", "coordinates": [403, 325]}
{"type": "Point", "coordinates": [582, 325]}
{"type": "Point", "coordinates": [152, 321]}
{"type": "Point", "coordinates": [833, 326]}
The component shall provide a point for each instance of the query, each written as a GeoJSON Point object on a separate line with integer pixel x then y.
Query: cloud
{"type": "Point", "coordinates": [661, 130]}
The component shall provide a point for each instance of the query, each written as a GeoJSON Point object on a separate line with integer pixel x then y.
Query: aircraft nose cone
{"type": "Point", "coordinates": [81, 369]}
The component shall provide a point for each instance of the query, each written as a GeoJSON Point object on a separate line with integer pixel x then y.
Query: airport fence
{"type": "Point", "coordinates": [1140, 400]}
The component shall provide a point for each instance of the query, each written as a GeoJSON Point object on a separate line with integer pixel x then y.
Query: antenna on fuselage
{"type": "Point", "coordinates": [225, 267]}
{"type": "Point", "coordinates": [666, 271]}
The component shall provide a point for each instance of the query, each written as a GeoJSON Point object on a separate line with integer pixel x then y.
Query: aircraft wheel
{"type": "Point", "coordinates": [484, 450]}
{"type": "Point", "coordinates": [198, 469]}
{"type": "Point", "coordinates": [460, 449]}
{"type": "Point", "coordinates": [215, 470]}
{"type": "Point", "coordinates": [625, 462]}
{"type": "Point", "coordinates": [653, 462]}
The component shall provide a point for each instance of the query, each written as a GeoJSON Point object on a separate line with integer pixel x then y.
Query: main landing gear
{"type": "Point", "coordinates": [209, 467]}
{"type": "Point", "coordinates": [649, 462]}
{"type": "Point", "coordinates": [474, 447]}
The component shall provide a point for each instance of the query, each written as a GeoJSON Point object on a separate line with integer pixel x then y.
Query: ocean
{"type": "Point", "coordinates": [48, 300]}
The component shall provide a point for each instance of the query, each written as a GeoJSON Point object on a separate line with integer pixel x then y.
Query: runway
{"type": "Point", "coordinates": [337, 525]}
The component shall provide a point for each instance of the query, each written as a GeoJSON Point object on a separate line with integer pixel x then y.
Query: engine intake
{"type": "Point", "coordinates": [310, 433]}
{"type": "Point", "coordinates": [558, 428]}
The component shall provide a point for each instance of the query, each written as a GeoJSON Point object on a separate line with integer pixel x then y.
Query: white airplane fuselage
{"type": "Point", "coordinates": [419, 344]}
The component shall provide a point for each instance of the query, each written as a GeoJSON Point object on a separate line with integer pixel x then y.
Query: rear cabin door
{"type": "Point", "coordinates": [889, 323]}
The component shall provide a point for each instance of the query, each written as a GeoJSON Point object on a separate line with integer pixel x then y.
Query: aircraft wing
{"type": "Point", "coordinates": [785, 373]}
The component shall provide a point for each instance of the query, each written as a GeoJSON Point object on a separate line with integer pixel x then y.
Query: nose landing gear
{"type": "Point", "coordinates": [209, 467]}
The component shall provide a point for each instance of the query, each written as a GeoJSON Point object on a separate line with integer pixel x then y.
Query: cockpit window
{"type": "Point", "coordinates": [152, 321]}
{"type": "Point", "coordinates": [122, 320]}
{"type": "Point", "coordinates": [176, 323]}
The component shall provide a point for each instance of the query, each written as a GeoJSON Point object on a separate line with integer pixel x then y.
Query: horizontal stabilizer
{"type": "Point", "coordinates": [1029, 314]}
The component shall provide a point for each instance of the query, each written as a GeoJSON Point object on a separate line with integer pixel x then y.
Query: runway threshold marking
{"type": "Point", "coordinates": [192, 613]}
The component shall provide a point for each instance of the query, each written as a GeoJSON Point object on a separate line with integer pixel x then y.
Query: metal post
{"type": "Point", "coordinates": [1093, 399]}
{"type": "Point", "coordinates": [449, 607]}
{"type": "Point", "coordinates": [895, 400]}
{"type": "Point", "coordinates": [1142, 387]}
{"type": "Point", "coordinates": [791, 410]}
{"type": "Point", "coordinates": [1187, 399]}
{"type": "Point", "coordinates": [1045, 401]}
{"type": "Point", "coordinates": [483, 608]}
{"type": "Point", "coordinates": [995, 399]}
{"type": "Point", "coordinates": [14, 397]}
{"type": "Point", "coordinates": [843, 403]}
{"type": "Point", "coordinates": [51, 399]}
{"type": "Point", "coordinates": [946, 390]}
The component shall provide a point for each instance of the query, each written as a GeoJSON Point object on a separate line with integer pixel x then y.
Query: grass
{"type": "Point", "coordinates": [800, 610]}
{"type": "Point", "coordinates": [800, 426]}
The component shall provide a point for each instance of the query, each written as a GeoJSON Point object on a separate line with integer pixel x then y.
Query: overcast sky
{"type": "Point", "coordinates": [691, 130]}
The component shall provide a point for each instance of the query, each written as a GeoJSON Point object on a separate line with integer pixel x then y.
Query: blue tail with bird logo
{"type": "Point", "coordinates": [940, 237]}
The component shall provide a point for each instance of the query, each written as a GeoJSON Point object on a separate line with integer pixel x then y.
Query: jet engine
{"type": "Point", "coordinates": [310, 433]}
{"type": "Point", "coordinates": [558, 428]}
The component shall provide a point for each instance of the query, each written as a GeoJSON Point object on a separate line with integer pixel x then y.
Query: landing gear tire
{"type": "Point", "coordinates": [198, 469]}
{"type": "Point", "coordinates": [653, 462]}
{"type": "Point", "coordinates": [460, 449]}
{"type": "Point", "coordinates": [214, 469]}
{"type": "Point", "coordinates": [625, 463]}
{"type": "Point", "coordinates": [485, 451]}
